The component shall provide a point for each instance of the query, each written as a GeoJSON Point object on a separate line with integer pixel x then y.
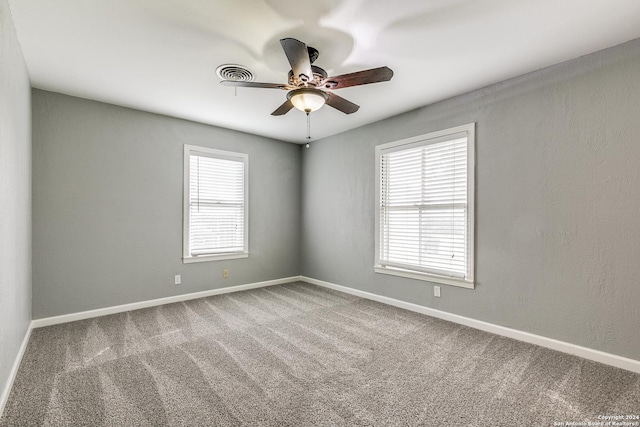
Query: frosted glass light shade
{"type": "Point", "coordinates": [307, 99]}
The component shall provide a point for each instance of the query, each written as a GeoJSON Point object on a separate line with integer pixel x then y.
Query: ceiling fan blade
{"type": "Point", "coordinates": [374, 75]}
{"type": "Point", "coordinates": [298, 57]}
{"type": "Point", "coordinates": [283, 109]}
{"type": "Point", "coordinates": [256, 84]}
{"type": "Point", "coordinates": [341, 104]}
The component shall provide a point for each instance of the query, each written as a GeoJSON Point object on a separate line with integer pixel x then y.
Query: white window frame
{"type": "Point", "coordinates": [430, 138]}
{"type": "Point", "coordinates": [219, 154]}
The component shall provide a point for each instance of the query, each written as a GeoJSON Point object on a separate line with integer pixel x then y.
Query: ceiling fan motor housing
{"type": "Point", "coordinates": [319, 76]}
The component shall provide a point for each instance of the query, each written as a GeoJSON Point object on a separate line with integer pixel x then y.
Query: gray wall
{"type": "Point", "coordinates": [15, 196]}
{"type": "Point", "coordinates": [107, 206]}
{"type": "Point", "coordinates": [557, 203]}
{"type": "Point", "coordinates": [557, 206]}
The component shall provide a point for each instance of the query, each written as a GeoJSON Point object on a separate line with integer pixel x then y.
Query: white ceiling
{"type": "Point", "coordinates": [161, 55]}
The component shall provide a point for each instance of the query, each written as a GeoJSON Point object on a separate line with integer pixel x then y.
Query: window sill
{"type": "Point", "coordinates": [425, 277]}
{"type": "Point", "coordinates": [221, 257]}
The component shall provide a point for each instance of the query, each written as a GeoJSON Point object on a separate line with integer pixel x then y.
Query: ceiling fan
{"type": "Point", "coordinates": [308, 84]}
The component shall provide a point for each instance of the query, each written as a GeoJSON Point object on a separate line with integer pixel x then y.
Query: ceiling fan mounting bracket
{"type": "Point", "coordinates": [313, 54]}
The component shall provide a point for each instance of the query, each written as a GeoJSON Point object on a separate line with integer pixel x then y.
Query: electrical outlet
{"type": "Point", "coordinates": [177, 279]}
{"type": "Point", "coordinates": [436, 291]}
{"type": "Point", "coordinates": [225, 273]}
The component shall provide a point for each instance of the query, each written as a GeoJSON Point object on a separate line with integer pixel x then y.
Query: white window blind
{"type": "Point", "coordinates": [216, 203]}
{"type": "Point", "coordinates": [424, 207]}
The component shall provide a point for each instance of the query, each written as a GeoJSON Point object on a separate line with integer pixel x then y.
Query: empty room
{"type": "Point", "coordinates": [339, 212]}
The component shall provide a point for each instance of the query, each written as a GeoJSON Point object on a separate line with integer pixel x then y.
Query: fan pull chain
{"type": "Point", "coordinates": [308, 129]}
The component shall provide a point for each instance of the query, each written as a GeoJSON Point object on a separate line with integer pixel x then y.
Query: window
{"type": "Point", "coordinates": [215, 204]}
{"type": "Point", "coordinates": [424, 209]}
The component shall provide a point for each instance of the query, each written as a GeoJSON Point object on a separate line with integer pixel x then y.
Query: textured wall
{"type": "Point", "coordinates": [557, 203]}
{"type": "Point", "coordinates": [15, 196]}
{"type": "Point", "coordinates": [107, 206]}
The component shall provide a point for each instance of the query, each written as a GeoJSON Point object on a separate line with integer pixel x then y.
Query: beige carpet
{"type": "Point", "coordinates": [299, 355]}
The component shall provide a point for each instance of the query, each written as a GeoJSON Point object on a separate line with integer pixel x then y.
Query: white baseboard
{"type": "Point", "coordinates": [14, 370]}
{"type": "Point", "coordinates": [48, 321]}
{"type": "Point", "coordinates": [565, 347]}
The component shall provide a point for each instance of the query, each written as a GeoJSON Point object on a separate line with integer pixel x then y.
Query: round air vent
{"type": "Point", "coordinates": [234, 72]}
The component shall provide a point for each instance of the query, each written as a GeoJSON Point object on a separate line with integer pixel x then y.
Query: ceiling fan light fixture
{"type": "Point", "coordinates": [307, 99]}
